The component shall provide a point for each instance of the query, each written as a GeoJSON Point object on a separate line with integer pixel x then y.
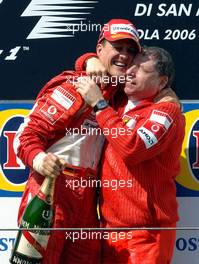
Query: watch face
{"type": "Point", "coordinates": [102, 104]}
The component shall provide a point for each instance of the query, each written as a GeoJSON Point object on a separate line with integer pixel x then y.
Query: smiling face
{"type": "Point", "coordinates": [143, 80]}
{"type": "Point", "coordinates": [117, 56]}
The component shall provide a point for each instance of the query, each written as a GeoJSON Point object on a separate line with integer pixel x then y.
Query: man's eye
{"type": "Point", "coordinates": [132, 51]}
{"type": "Point", "coordinates": [118, 48]}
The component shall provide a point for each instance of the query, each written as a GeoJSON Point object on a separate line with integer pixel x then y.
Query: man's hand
{"type": "Point", "coordinates": [48, 165]}
{"type": "Point", "coordinates": [167, 95]}
{"type": "Point", "coordinates": [89, 90]}
{"type": "Point", "coordinates": [96, 70]}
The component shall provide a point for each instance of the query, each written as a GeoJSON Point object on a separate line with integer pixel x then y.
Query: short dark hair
{"type": "Point", "coordinates": [163, 62]}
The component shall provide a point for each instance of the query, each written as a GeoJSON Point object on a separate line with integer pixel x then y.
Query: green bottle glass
{"type": "Point", "coordinates": [30, 245]}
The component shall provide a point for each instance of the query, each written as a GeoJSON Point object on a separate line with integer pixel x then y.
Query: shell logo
{"type": "Point", "coordinates": [13, 173]}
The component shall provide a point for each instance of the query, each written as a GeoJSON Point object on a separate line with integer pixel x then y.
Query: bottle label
{"type": "Point", "coordinates": [41, 195]}
{"type": "Point", "coordinates": [21, 259]}
{"type": "Point", "coordinates": [32, 245]}
{"type": "Point", "coordinates": [46, 198]}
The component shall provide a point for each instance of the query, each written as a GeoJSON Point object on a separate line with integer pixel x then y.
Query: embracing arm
{"type": "Point", "coordinates": [80, 63]}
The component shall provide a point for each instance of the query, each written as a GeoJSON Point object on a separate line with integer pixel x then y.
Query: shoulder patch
{"type": "Point", "coordinates": [161, 118]}
{"type": "Point", "coordinates": [51, 111]}
{"type": "Point", "coordinates": [154, 128]}
{"type": "Point", "coordinates": [63, 97]}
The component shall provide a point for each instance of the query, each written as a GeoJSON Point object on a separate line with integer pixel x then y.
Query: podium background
{"type": "Point", "coordinates": [37, 42]}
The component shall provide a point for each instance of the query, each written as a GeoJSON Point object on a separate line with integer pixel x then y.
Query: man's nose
{"type": "Point", "coordinates": [131, 70]}
{"type": "Point", "coordinates": [125, 53]}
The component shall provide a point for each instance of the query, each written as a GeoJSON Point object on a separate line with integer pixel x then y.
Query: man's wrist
{"type": "Point", "coordinates": [96, 101]}
{"type": "Point", "coordinates": [100, 105]}
{"type": "Point", "coordinates": [38, 161]}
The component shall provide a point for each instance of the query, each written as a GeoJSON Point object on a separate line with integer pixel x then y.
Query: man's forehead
{"type": "Point", "coordinates": [147, 61]}
{"type": "Point", "coordinates": [142, 58]}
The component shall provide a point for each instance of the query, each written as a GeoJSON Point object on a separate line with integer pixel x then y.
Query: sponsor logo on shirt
{"type": "Point", "coordinates": [154, 128]}
{"type": "Point", "coordinates": [63, 97]}
{"type": "Point", "coordinates": [130, 121]}
{"type": "Point", "coordinates": [161, 118]}
{"type": "Point", "coordinates": [51, 111]}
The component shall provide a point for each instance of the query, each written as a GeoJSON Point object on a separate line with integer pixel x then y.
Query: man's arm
{"type": "Point", "coordinates": [167, 95]}
{"type": "Point", "coordinates": [80, 63]}
{"type": "Point", "coordinates": [154, 130]}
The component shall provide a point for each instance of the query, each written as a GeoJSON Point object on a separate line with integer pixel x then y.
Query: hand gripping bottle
{"type": "Point", "coordinates": [30, 245]}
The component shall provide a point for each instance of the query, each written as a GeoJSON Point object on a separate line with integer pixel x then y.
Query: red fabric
{"type": "Point", "coordinates": [147, 196]}
{"type": "Point", "coordinates": [80, 62]}
{"type": "Point", "coordinates": [139, 247]}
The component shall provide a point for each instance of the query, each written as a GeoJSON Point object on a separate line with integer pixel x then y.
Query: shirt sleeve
{"type": "Point", "coordinates": [46, 122]}
{"type": "Point", "coordinates": [80, 62]}
{"type": "Point", "coordinates": [151, 135]}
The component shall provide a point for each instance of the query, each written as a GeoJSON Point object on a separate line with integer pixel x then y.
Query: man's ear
{"type": "Point", "coordinates": [99, 48]}
{"type": "Point", "coordinates": [163, 82]}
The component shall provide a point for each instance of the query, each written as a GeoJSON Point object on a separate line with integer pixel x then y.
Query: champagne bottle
{"type": "Point", "coordinates": [30, 245]}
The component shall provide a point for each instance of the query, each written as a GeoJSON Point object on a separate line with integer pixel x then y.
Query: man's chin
{"type": "Point", "coordinates": [129, 90]}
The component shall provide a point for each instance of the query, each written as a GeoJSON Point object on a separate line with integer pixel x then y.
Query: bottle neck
{"type": "Point", "coordinates": [47, 188]}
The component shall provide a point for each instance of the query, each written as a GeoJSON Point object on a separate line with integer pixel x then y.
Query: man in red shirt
{"type": "Point", "coordinates": [145, 153]}
{"type": "Point", "coordinates": [47, 144]}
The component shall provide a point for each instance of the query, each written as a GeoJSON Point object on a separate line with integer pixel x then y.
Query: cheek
{"type": "Point", "coordinates": [131, 58]}
{"type": "Point", "coordinates": [142, 82]}
{"type": "Point", "coordinates": [152, 90]}
{"type": "Point", "coordinates": [151, 82]}
{"type": "Point", "coordinates": [113, 53]}
{"type": "Point", "coordinates": [108, 57]}
{"type": "Point", "coordinates": [148, 86]}
{"type": "Point", "coordinates": [155, 85]}
{"type": "Point", "coordinates": [104, 59]}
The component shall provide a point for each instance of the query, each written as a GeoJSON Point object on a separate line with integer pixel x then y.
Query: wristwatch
{"type": "Point", "coordinates": [101, 104]}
